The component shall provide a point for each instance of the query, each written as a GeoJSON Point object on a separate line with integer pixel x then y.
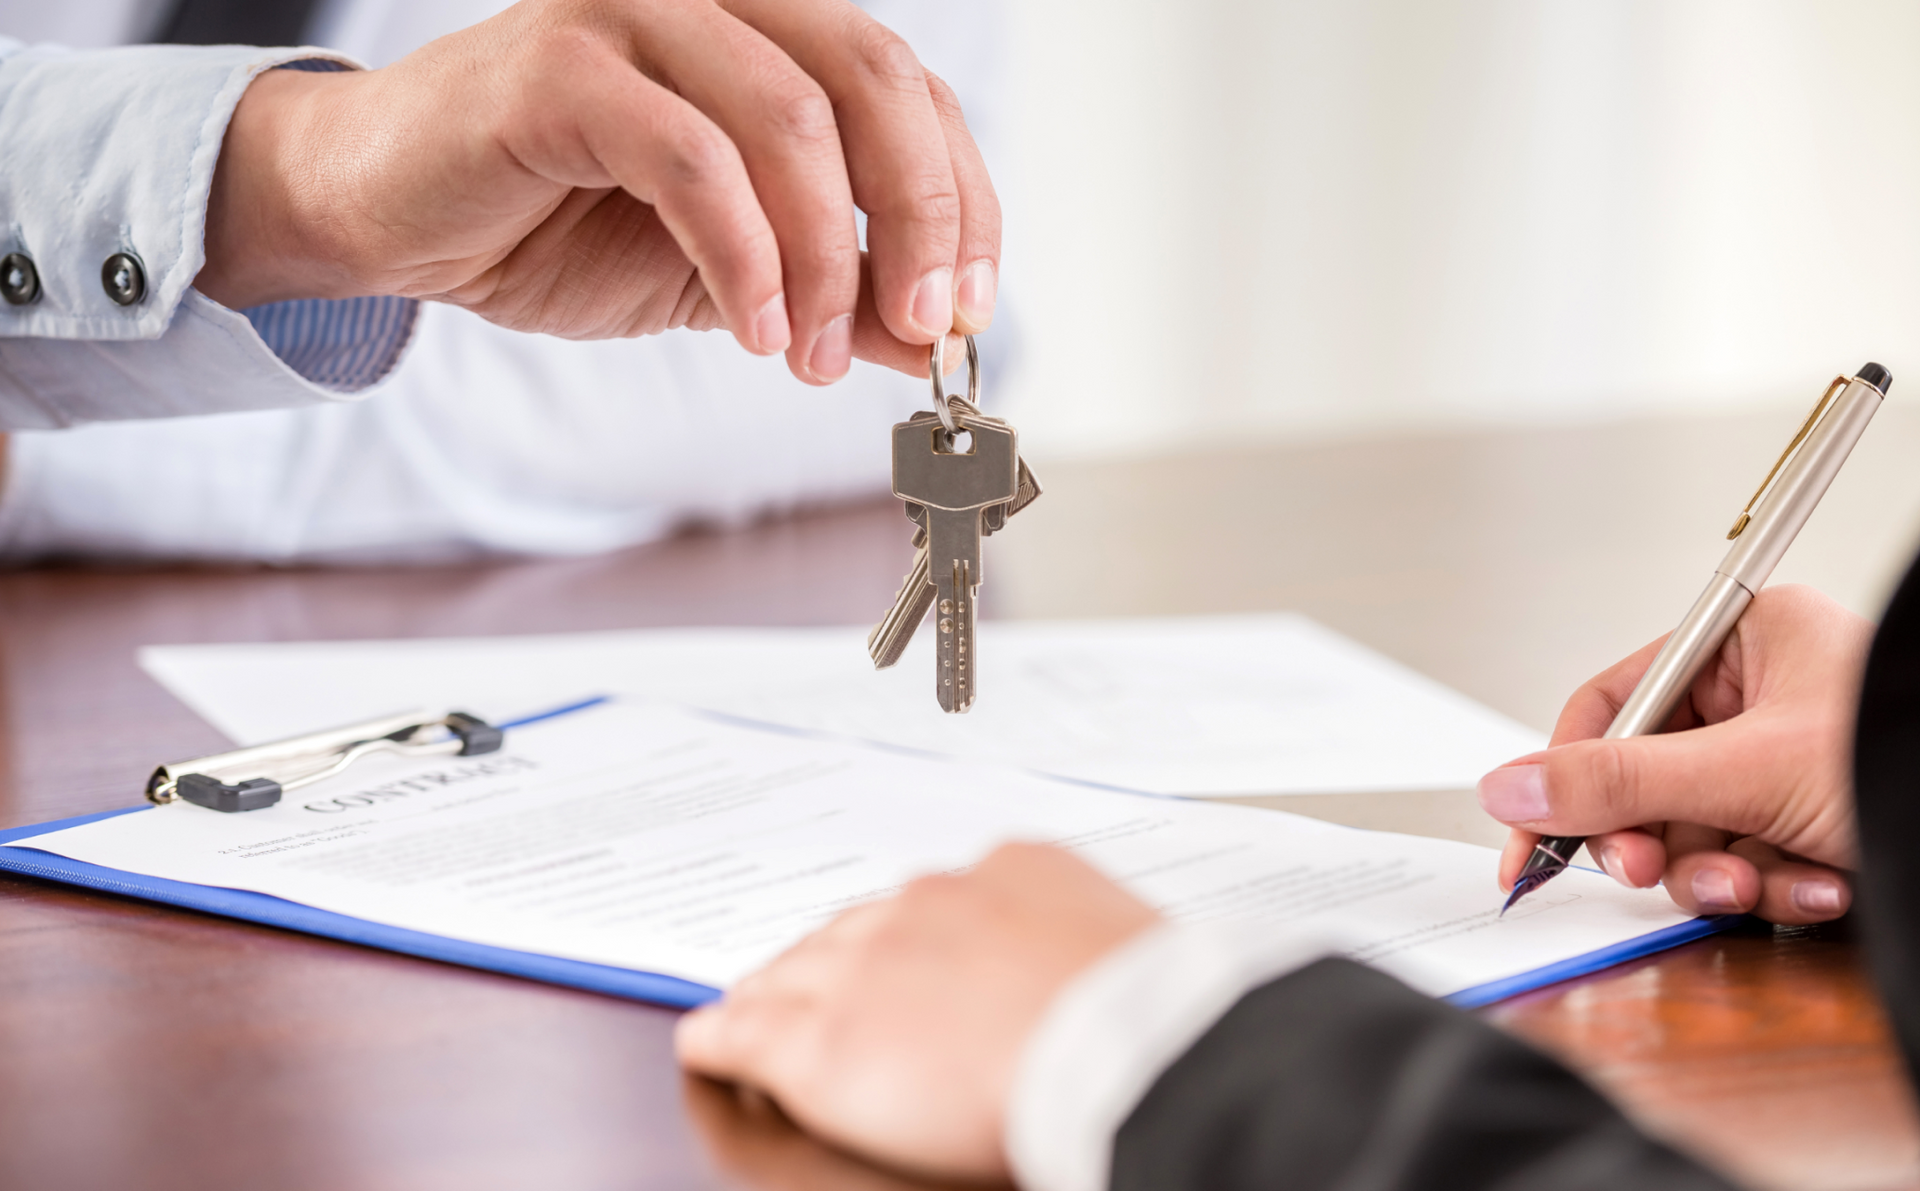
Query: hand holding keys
{"type": "Point", "coordinates": [957, 492]}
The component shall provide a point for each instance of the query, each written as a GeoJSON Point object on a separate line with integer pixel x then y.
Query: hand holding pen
{"type": "Point", "coordinates": [1740, 806]}
{"type": "Point", "coordinates": [1745, 804]}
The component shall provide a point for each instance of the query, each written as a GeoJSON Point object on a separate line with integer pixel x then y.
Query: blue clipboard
{"type": "Point", "coordinates": [274, 911]}
{"type": "Point", "coordinates": [652, 987]}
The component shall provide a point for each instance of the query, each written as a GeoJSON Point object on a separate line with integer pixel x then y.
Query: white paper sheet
{"type": "Point", "coordinates": [1242, 705]}
{"type": "Point", "coordinates": [666, 841]}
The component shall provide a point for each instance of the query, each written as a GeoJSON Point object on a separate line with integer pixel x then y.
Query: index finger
{"type": "Point", "coordinates": [588, 117]}
{"type": "Point", "coordinates": [785, 127]}
{"type": "Point", "coordinates": [897, 152]}
{"type": "Point", "coordinates": [750, 1033]}
{"type": "Point", "coordinates": [1590, 710]}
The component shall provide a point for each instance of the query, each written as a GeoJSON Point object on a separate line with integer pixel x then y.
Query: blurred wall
{"type": "Point", "coordinates": [1326, 217]}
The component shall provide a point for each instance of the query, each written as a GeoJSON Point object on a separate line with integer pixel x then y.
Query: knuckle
{"type": "Point", "coordinates": [946, 103]}
{"type": "Point", "coordinates": [936, 889]}
{"type": "Point", "coordinates": [939, 204]}
{"type": "Point", "coordinates": [1789, 596]}
{"type": "Point", "coordinates": [886, 57]}
{"type": "Point", "coordinates": [558, 61]}
{"type": "Point", "coordinates": [891, 934]}
{"type": "Point", "coordinates": [696, 154]}
{"type": "Point", "coordinates": [944, 96]}
{"type": "Point", "coordinates": [569, 46]}
{"type": "Point", "coordinates": [927, 202]}
{"type": "Point", "coordinates": [1013, 859]}
{"type": "Point", "coordinates": [1608, 783]}
{"type": "Point", "coordinates": [1026, 851]}
{"type": "Point", "coordinates": [801, 111]}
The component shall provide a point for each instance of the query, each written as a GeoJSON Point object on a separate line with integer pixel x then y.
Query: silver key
{"type": "Point", "coordinates": [955, 488]}
{"type": "Point", "coordinates": [889, 638]}
{"type": "Point", "coordinates": [995, 519]}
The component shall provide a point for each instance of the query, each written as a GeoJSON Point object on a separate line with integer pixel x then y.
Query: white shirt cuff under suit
{"type": "Point", "coordinates": [110, 156]}
{"type": "Point", "coordinates": [1111, 1033]}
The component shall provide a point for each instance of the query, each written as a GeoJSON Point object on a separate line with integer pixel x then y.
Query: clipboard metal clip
{"type": "Point", "coordinates": [249, 779]}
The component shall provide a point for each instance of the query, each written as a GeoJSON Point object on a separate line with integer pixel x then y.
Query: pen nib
{"type": "Point", "coordinates": [1524, 886]}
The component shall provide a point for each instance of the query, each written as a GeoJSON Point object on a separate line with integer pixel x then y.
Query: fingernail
{"type": "Point", "coordinates": [833, 351]}
{"type": "Point", "coordinates": [1817, 896]}
{"type": "Point", "coordinates": [1515, 794]}
{"type": "Point", "coordinates": [978, 287]}
{"type": "Point", "coordinates": [1713, 890]}
{"type": "Point", "coordinates": [1608, 858]}
{"type": "Point", "coordinates": [771, 329]}
{"type": "Point", "coordinates": [933, 303]}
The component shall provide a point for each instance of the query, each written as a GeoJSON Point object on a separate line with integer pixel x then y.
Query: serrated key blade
{"type": "Point", "coordinates": [891, 636]}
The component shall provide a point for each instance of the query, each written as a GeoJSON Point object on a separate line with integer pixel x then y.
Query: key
{"type": "Point", "coordinates": [889, 638]}
{"type": "Point", "coordinates": [994, 519]}
{"type": "Point", "coordinates": [955, 488]}
{"type": "Point", "coordinates": [995, 516]}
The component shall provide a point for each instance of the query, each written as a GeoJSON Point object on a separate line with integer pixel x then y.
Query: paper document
{"type": "Point", "coordinates": [1243, 705]}
{"type": "Point", "coordinates": [663, 840]}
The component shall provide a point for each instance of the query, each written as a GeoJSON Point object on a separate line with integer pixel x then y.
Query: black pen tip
{"type": "Point", "coordinates": [1876, 376]}
{"type": "Point", "coordinates": [1526, 885]}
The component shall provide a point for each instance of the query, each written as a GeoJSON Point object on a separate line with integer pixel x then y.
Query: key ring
{"type": "Point", "coordinates": [936, 367]}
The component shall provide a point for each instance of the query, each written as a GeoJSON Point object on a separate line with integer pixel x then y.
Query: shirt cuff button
{"type": "Point", "coordinates": [19, 280]}
{"type": "Point", "coordinates": [124, 279]}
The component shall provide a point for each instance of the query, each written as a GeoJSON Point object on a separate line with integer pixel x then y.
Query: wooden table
{"type": "Point", "coordinates": [143, 1047]}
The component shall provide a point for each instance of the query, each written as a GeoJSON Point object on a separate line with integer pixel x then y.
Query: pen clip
{"type": "Point", "coordinates": [1820, 409]}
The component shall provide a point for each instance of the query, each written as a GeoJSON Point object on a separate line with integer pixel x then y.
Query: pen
{"type": "Point", "coordinates": [1761, 534]}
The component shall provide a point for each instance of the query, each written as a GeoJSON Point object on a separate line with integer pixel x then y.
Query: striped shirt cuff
{"type": "Point", "coordinates": [344, 344]}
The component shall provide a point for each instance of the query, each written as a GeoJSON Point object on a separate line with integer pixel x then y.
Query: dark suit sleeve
{"type": "Point", "coordinates": [1886, 779]}
{"type": "Point", "coordinates": [1339, 1077]}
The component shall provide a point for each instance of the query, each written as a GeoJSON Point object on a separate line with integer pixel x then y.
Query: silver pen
{"type": "Point", "coordinates": [1761, 535]}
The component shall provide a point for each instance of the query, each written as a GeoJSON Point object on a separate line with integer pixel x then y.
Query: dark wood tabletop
{"type": "Point", "coordinates": [144, 1047]}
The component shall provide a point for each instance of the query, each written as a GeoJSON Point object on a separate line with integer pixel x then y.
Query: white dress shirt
{"type": "Point", "coordinates": [483, 442]}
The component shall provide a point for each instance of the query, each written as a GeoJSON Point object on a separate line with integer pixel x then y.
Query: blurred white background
{"type": "Point", "coordinates": [1325, 218]}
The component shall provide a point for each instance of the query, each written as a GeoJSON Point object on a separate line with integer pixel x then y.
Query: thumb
{"type": "Point", "coordinates": [702, 1042]}
{"type": "Point", "coordinates": [1713, 776]}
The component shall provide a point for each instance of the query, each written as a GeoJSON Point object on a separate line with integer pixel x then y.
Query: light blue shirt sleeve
{"type": "Point", "coordinates": [113, 152]}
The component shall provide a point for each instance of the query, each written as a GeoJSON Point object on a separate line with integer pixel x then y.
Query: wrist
{"type": "Point", "coordinates": [1109, 1034]}
{"type": "Point", "coordinates": [267, 211]}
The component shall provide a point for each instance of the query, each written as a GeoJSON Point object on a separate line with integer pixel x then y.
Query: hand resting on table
{"type": "Point", "coordinates": [895, 1030]}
